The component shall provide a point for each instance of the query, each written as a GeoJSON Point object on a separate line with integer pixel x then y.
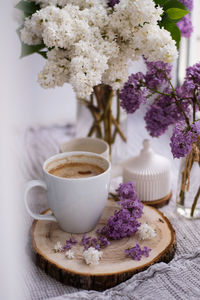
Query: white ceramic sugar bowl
{"type": "Point", "coordinates": [151, 173]}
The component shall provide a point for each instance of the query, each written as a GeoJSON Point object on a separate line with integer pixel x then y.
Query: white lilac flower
{"type": "Point", "coordinates": [69, 254]}
{"type": "Point", "coordinates": [146, 232]}
{"type": "Point", "coordinates": [92, 256]}
{"type": "Point", "coordinates": [88, 44]}
{"type": "Point", "coordinates": [81, 3]}
{"type": "Point", "coordinates": [57, 247]}
{"type": "Point", "coordinates": [155, 43]}
{"type": "Point", "coordinates": [128, 15]}
{"type": "Point", "coordinates": [117, 72]}
{"type": "Point", "coordinates": [56, 70]}
{"type": "Point", "coordinates": [44, 3]}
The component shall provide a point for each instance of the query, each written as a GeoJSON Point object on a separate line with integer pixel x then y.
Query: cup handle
{"type": "Point", "coordinates": [31, 184]}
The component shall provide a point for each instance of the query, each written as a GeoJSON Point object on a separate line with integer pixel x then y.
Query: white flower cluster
{"type": "Point", "coordinates": [146, 232]}
{"type": "Point", "coordinates": [89, 43]}
{"type": "Point", "coordinates": [57, 247]}
{"type": "Point", "coordinates": [69, 254]}
{"type": "Point", "coordinates": [92, 256]}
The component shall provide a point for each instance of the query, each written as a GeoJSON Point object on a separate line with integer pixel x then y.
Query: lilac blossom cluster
{"type": "Point", "coordinates": [140, 86]}
{"type": "Point", "coordinates": [126, 191]}
{"type": "Point", "coordinates": [96, 243]}
{"type": "Point", "coordinates": [136, 252]}
{"type": "Point", "coordinates": [188, 4]}
{"type": "Point", "coordinates": [124, 222]}
{"type": "Point", "coordinates": [185, 25]}
{"type": "Point", "coordinates": [164, 112]}
{"type": "Point", "coordinates": [157, 74]}
{"type": "Point", "coordinates": [171, 106]}
{"type": "Point", "coordinates": [183, 138]}
{"type": "Point", "coordinates": [191, 85]}
{"type": "Point", "coordinates": [69, 244]}
{"type": "Point", "coordinates": [133, 93]}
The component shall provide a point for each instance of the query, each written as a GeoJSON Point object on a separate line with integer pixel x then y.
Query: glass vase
{"type": "Point", "coordinates": [103, 119]}
{"type": "Point", "coordinates": [188, 189]}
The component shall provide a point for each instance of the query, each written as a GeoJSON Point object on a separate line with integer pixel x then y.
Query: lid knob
{"type": "Point", "coordinates": [146, 144]}
{"type": "Point", "coordinates": [146, 147]}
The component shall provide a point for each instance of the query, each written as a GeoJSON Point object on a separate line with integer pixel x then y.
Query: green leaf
{"type": "Point", "coordinates": [160, 2]}
{"type": "Point", "coordinates": [172, 28]}
{"type": "Point", "coordinates": [27, 50]}
{"type": "Point", "coordinates": [27, 7]}
{"type": "Point", "coordinates": [176, 13]}
{"type": "Point", "coordinates": [174, 3]}
{"type": "Point", "coordinates": [43, 53]}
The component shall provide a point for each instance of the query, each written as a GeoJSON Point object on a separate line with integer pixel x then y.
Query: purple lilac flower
{"type": "Point", "coordinates": [133, 205]}
{"type": "Point", "coordinates": [157, 121]}
{"type": "Point", "coordinates": [156, 73]}
{"type": "Point", "coordinates": [88, 242]}
{"type": "Point", "coordinates": [103, 241]}
{"type": "Point", "coordinates": [163, 113]}
{"type": "Point", "coordinates": [183, 138]}
{"type": "Point", "coordinates": [185, 26]}
{"type": "Point", "coordinates": [133, 93]}
{"type": "Point", "coordinates": [112, 3]}
{"type": "Point", "coordinates": [192, 80]}
{"type": "Point", "coordinates": [188, 4]}
{"type": "Point", "coordinates": [69, 243]}
{"type": "Point", "coordinates": [146, 251]}
{"type": "Point", "coordinates": [124, 222]}
{"type": "Point", "coordinates": [126, 191]}
{"type": "Point", "coordinates": [121, 225]}
{"type": "Point", "coordinates": [136, 252]}
{"type": "Point", "coordinates": [196, 128]}
{"type": "Point", "coordinates": [96, 243]}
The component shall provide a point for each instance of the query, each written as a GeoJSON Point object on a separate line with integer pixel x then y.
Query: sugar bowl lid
{"type": "Point", "coordinates": [148, 162]}
{"type": "Point", "coordinates": [150, 172]}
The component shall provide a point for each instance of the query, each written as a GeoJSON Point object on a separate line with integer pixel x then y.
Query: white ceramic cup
{"type": "Point", "coordinates": [76, 203]}
{"type": "Point", "coordinates": [87, 144]}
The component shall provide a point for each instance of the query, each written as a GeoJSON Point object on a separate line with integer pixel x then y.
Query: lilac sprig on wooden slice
{"type": "Point", "coordinates": [69, 243]}
{"type": "Point", "coordinates": [136, 252]}
{"type": "Point", "coordinates": [96, 243]}
{"type": "Point", "coordinates": [125, 222]}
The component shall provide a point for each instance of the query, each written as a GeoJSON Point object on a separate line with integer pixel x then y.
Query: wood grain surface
{"type": "Point", "coordinates": [114, 266]}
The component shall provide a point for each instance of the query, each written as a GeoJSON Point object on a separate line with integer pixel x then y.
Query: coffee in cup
{"type": "Point", "coordinates": [76, 170]}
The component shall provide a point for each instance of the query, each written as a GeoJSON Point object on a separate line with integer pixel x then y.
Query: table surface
{"type": "Point", "coordinates": [180, 279]}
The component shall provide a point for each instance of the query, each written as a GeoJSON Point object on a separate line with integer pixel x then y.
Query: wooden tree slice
{"type": "Point", "coordinates": [159, 203]}
{"type": "Point", "coordinates": [114, 266]}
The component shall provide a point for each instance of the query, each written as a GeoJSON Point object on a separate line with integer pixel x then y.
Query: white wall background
{"type": "Point", "coordinates": [29, 102]}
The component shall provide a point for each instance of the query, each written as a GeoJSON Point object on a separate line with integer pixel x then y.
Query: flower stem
{"type": "Point", "coordinates": [92, 130]}
{"type": "Point", "coordinates": [118, 117]}
{"type": "Point", "coordinates": [195, 202]}
{"type": "Point", "coordinates": [104, 124]}
{"type": "Point", "coordinates": [119, 129]}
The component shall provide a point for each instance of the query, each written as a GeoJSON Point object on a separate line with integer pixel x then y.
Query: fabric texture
{"type": "Point", "coordinates": [180, 279]}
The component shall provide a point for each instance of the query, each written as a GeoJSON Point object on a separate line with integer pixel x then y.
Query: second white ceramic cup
{"type": "Point", "coordinates": [77, 203]}
{"type": "Point", "coordinates": [87, 144]}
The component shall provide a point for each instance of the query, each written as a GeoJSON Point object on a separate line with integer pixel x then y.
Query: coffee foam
{"type": "Point", "coordinates": [93, 160]}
